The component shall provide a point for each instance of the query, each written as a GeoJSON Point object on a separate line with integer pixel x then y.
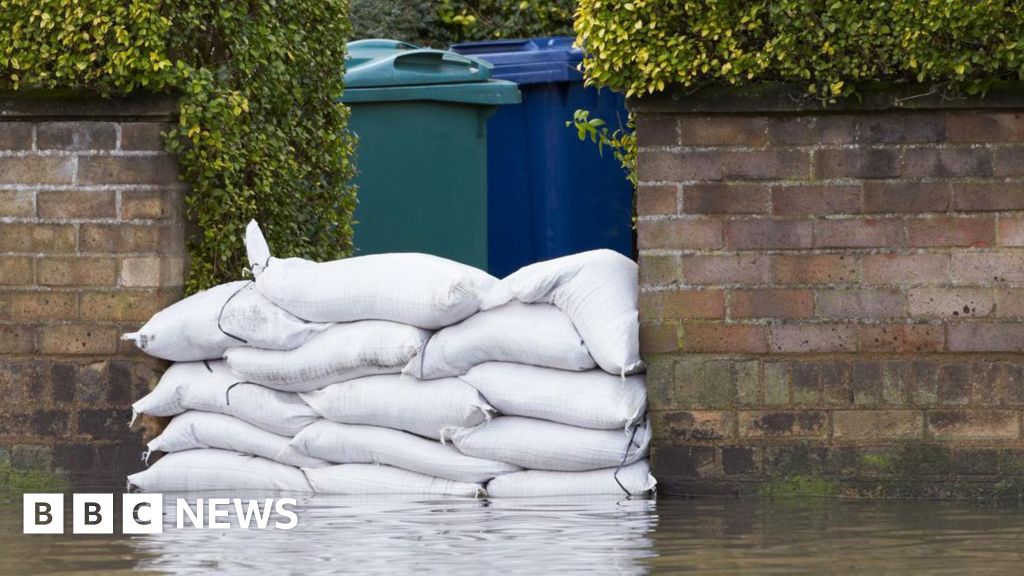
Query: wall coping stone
{"type": "Point", "coordinates": [68, 106]}
{"type": "Point", "coordinates": [775, 97]}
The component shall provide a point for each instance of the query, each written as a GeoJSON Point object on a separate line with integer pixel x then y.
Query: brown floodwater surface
{"type": "Point", "coordinates": [386, 535]}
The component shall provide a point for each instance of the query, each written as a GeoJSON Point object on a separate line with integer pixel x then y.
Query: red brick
{"type": "Point", "coordinates": [17, 203]}
{"type": "Point", "coordinates": [763, 233]}
{"type": "Point", "coordinates": [984, 127]}
{"type": "Point", "coordinates": [857, 233]}
{"type": "Point", "coordinates": [33, 305]}
{"type": "Point", "coordinates": [660, 270]}
{"type": "Point", "coordinates": [986, 337]}
{"type": "Point", "coordinates": [37, 170]}
{"type": "Point", "coordinates": [76, 135]}
{"type": "Point", "coordinates": [878, 424]}
{"type": "Point", "coordinates": [875, 304]}
{"type": "Point", "coordinates": [663, 166]}
{"type": "Point", "coordinates": [950, 302]}
{"type": "Point", "coordinates": [973, 425]}
{"type": "Point", "coordinates": [16, 270]}
{"type": "Point", "coordinates": [720, 198]}
{"type": "Point", "coordinates": [726, 269]}
{"type": "Point", "coordinates": [1010, 303]}
{"type": "Point", "coordinates": [901, 338]}
{"type": "Point", "coordinates": [49, 238]}
{"type": "Point", "coordinates": [811, 338]}
{"type": "Point", "coordinates": [151, 204]}
{"type": "Point", "coordinates": [1011, 231]}
{"type": "Point", "coordinates": [815, 199]}
{"type": "Point", "coordinates": [716, 337]}
{"type": "Point", "coordinates": [675, 305]}
{"type": "Point", "coordinates": [692, 426]}
{"type": "Point", "coordinates": [959, 232]}
{"type": "Point", "coordinates": [656, 199]}
{"type": "Point", "coordinates": [127, 169]}
{"type": "Point", "coordinates": [76, 204]}
{"type": "Point", "coordinates": [722, 131]}
{"type": "Point", "coordinates": [931, 162]}
{"type": "Point", "coordinates": [77, 271]}
{"type": "Point", "coordinates": [905, 269]}
{"type": "Point", "coordinates": [988, 268]}
{"type": "Point", "coordinates": [795, 424]}
{"type": "Point", "coordinates": [78, 339]}
{"type": "Point", "coordinates": [658, 338]}
{"type": "Point", "coordinates": [1008, 161]}
{"type": "Point", "coordinates": [815, 269]}
{"type": "Point", "coordinates": [830, 129]}
{"type": "Point", "coordinates": [908, 197]}
{"type": "Point", "coordinates": [856, 163]}
{"type": "Point", "coordinates": [988, 196]}
{"type": "Point", "coordinates": [776, 303]}
{"type": "Point", "coordinates": [771, 164]}
{"type": "Point", "coordinates": [123, 306]}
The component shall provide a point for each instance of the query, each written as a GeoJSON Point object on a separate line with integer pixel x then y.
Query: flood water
{"type": "Point", "coordinates": [342, 535]}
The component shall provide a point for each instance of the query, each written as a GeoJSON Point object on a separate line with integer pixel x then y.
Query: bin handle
{"type": "Point", "coordinates": [382, 43]}
{"type": "Point", "coordinates": [434, 58]}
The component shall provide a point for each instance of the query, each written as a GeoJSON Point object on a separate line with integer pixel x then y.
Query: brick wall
{"type": "Point", "coordinates": [834, 296]}
{"type": "Point", "coordinates": [91, 245]}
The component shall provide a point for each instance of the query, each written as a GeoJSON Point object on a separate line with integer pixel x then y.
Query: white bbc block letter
{"type": "Point", "coordinates": [142, 513]}
{"type": "Point", "coordinates": [93, 514]}
{"type": "Point", "coordinates": [43, 513]}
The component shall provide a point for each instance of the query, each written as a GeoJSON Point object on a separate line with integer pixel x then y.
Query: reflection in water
{"type": "Point", "coordinates": [343, 535]}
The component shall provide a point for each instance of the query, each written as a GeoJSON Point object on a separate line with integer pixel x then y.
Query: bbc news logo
{"type": "Point", "coordinates": [144, 513]}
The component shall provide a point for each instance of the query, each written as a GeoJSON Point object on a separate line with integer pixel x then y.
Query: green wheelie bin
{"type": "Point", "coordinates": [421, 118]}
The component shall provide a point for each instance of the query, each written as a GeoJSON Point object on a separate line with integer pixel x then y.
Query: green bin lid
{"type": "Point", "coordinates": [389, 70]}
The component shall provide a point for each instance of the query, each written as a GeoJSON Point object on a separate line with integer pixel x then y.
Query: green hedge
{"type": "Point", "coordinates": [643, 46]}
{"type": "Point", "coordinates": [439, 23]}
{"type": "Point", "coordinates": [260, 134]}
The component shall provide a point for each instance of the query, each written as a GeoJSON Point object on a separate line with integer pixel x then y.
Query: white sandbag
{"type": "Point", "coordinates": [195, 429]}
{"type": "Point", "coordinates": [590, 399]}
{"type": "Point", "coordinates": [211, 387]}
{"type": "Point", "coordinates": [340, 353]}
{"type": "Point", "coordinates": [416, 289]}
{"type": "Point", "coordinates": [598, 290]}
{"type": "Point", "coordinates": [364, 479]}
{"type": "Point", "coordinates": [355, 444]}
{"type": "Point", "coordinates": [422, 407]}
{"type": "Point", "coordinates": [204, 325]}
{"type": "Point", "coordinates": [540, 445]}
{"type": "Point", "coordinates": [537, 334]}
{"type": "Point", "coordinates": [632, 480]}
{"type": "Point", "coordinates": [210, 469]}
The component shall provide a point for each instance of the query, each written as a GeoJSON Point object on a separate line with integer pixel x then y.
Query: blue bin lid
{"type": "Point", "coordinates": [390, 70]}
{"type": "Point", "coordinates": [529, 61]}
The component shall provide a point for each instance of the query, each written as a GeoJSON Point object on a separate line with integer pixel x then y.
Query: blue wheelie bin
{"type": "Point", "coordinates": [550, 194]}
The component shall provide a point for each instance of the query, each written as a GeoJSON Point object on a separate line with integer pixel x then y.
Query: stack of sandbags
{"type": "Point", "coordinates": [555, 350]}
{"type": "Point", "coordinates": [245, 351]}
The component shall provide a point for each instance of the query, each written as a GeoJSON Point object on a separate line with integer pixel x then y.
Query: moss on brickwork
{"type": "Point", "coordinates": [801, 486]}
{"type": "Point", "coordinates": [14, 482]}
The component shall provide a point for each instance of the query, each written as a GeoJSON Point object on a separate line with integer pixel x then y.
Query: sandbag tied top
{"type": "Point", "coordinates": [204, 325]}
{"type": "Point", "coordinates": [340, 353]}
{"type": "Point", "coordinates": [211, 387]}
{"type": "Point", "coordinates": [353, 444]}
{"type": "Point", "coordinates": [538, 334]}
{"type": "Point", "coordinates": [194, 429]}
{"type": "Point", "coordinates": [422, 407]}
{"type": "Point", "coordinates": [370, 479]}
{"type": "Point", "coordinates": [541, 445]}
{"type": "Point", "coordinates": [590, 399]}
{"type": "Point", "coordinates": [211, 469]}
{"type": "Point", "coordinates": [416, 289]}
{"type": "Point", "coordinates": [598, 290]}
{"type": "Point", "coordinates": [632, 480]}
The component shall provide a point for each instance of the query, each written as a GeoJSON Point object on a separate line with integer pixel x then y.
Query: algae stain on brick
{"type": "Point", "coordinates": [791, 486]}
